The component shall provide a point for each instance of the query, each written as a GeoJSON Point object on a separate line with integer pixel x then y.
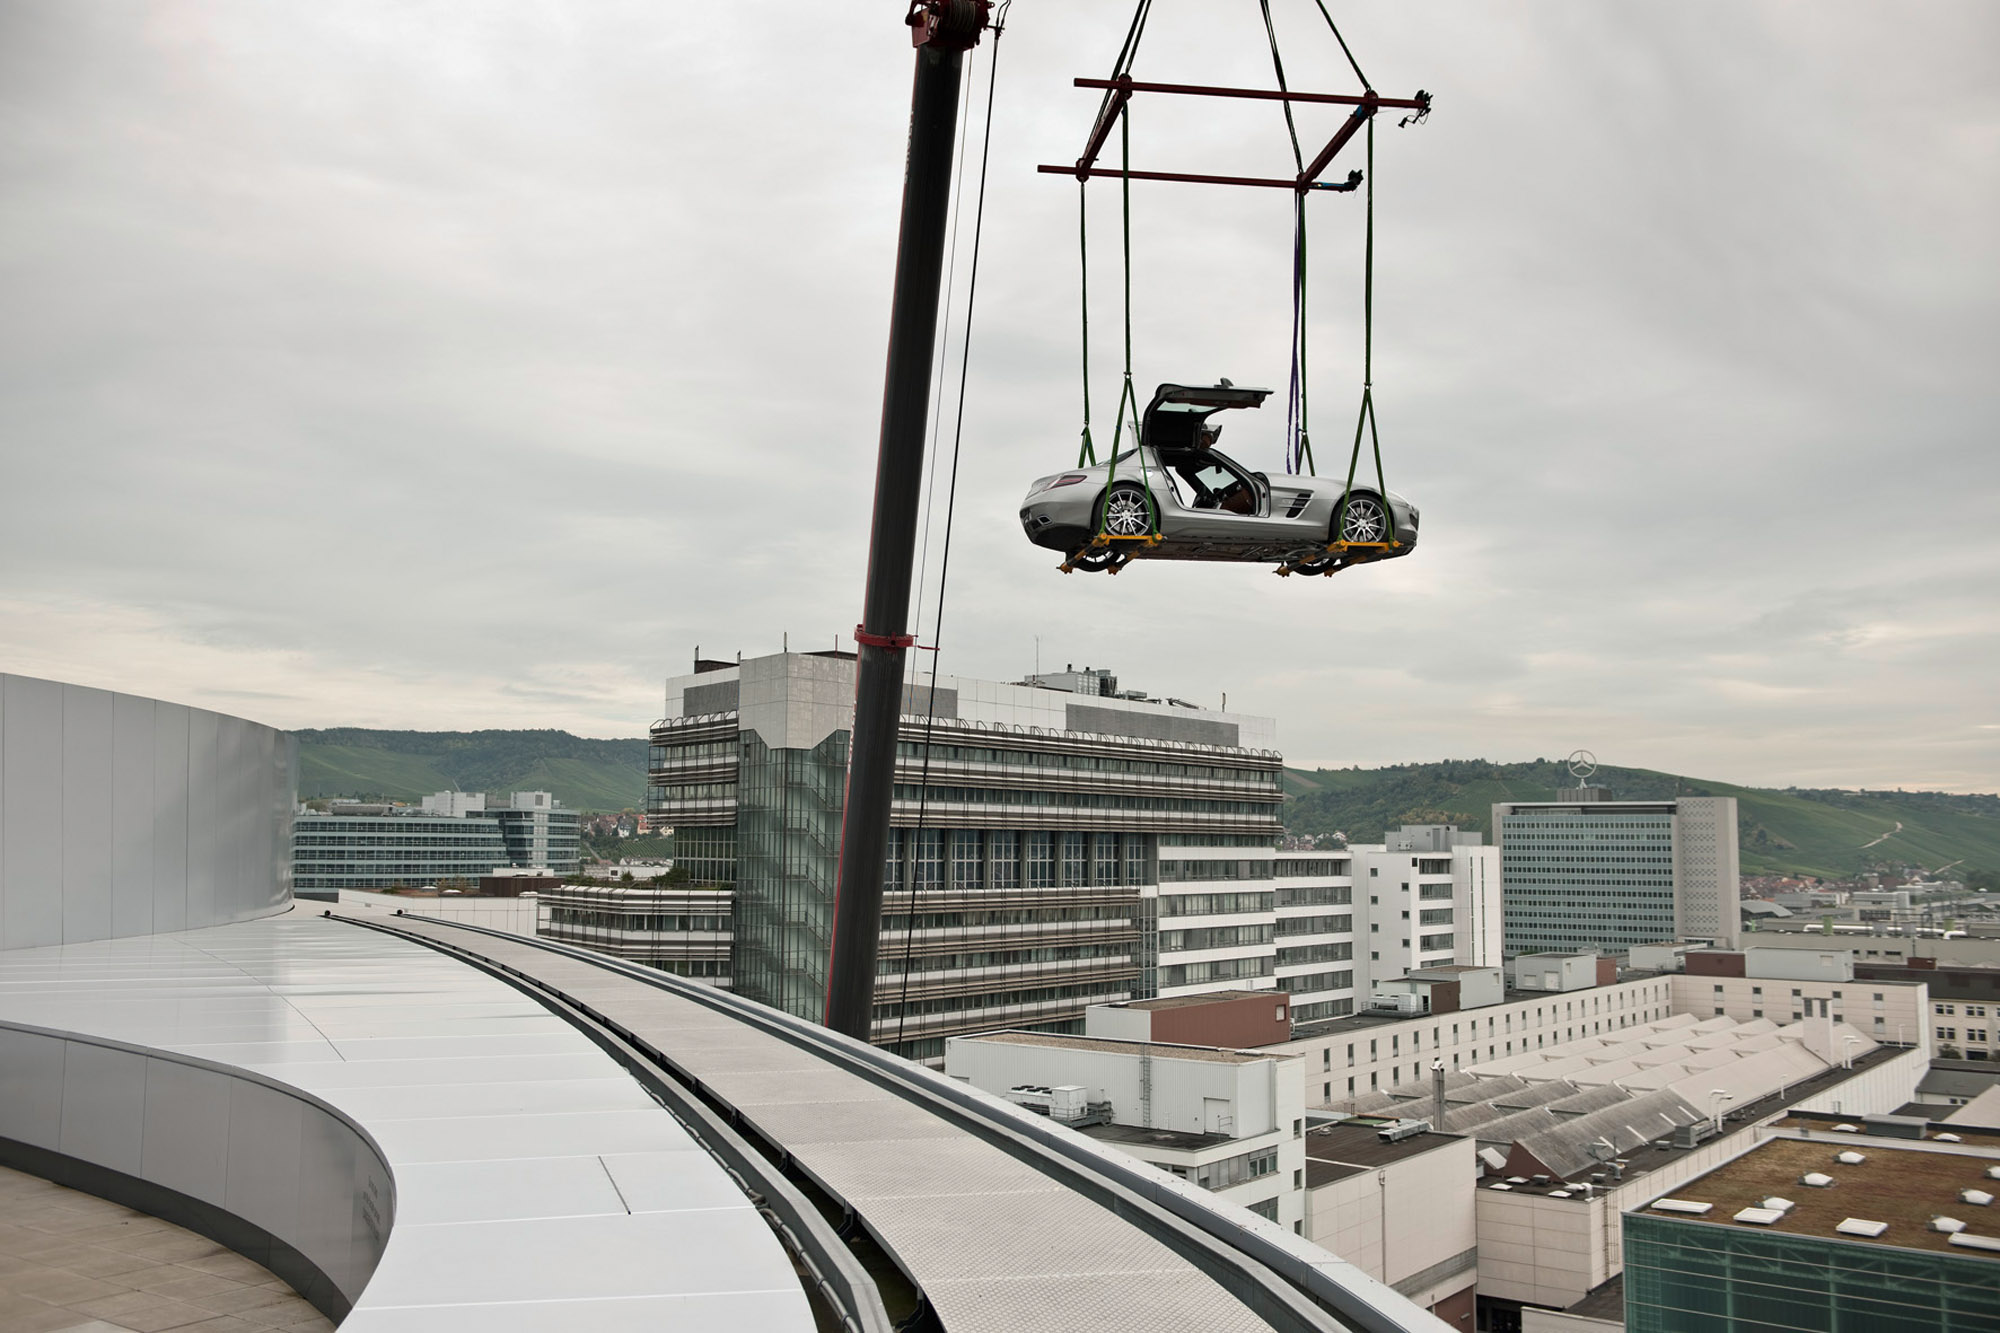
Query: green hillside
{"type": "Point", "coordinates": [584, 774]}
{"type": "Point", "coordinates": [1783, 832]}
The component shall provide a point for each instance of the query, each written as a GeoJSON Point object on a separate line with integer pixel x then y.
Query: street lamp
{"type": "Point", "coordinates": [1717, 1099]}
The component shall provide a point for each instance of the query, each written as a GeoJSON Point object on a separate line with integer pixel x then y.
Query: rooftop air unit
{"type": "Point", "coordinates": [1403, 1129]}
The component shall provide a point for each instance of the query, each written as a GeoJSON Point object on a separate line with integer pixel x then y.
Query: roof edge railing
{"type": "Point", "coordinates": [1268, 1274]}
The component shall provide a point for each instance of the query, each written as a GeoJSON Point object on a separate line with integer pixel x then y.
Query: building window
{"type": "Point", "coordinates": [1075, 870]}
{"type": "Point", "coordinates": [1004, 853]}
{"type": "Point", "coordinates": [1041, 860]}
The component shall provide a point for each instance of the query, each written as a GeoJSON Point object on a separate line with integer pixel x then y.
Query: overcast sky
{"type": "Point", "coordinates": [467, 365]}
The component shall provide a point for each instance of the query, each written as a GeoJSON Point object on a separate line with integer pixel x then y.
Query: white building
{"type": "Point", "coordinates": [1232, 1122]}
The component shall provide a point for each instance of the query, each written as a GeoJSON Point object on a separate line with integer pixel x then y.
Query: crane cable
{"type": "Point", "coordinates": [950, 509]}
{"type": "Point", "coordinates": [1087, 452]}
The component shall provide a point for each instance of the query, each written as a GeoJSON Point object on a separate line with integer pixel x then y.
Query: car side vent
{"type": "Point", "coordinates": [1300, 499]}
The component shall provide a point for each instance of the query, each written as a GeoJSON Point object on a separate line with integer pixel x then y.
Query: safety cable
{"type": "Point", "coordinates": [1087, 453]}
{"type": "Point", "coordinates": [950, 509]}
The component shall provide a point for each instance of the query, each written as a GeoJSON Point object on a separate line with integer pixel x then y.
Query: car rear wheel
{"type": "Point", "coordinates": [1127, 511]}
{"type": "Point", "coordinates": [1362, 519]}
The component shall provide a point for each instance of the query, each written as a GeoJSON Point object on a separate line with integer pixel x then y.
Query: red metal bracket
{"type": "Point", "coordinates": [862, 636]}
{"type": "Point", "coordinates": [1121, 89]}
{"type": "Point", "coordinates": [949, 25]}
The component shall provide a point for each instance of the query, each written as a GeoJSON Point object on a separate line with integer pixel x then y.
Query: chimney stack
{"type": "Point", "coordinates": [1437, 1096]}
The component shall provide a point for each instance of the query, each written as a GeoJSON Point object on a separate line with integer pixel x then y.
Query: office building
{"type": "Point", "coordinates": [681, 929]}
{"type": "Point", "coordinates": [331, 852]}
{"type": "Point", "coordinates": [1050, 849]}
{"type": "Point", "coordinates": [455, 836]}
{"type": "Point", "coordinates": [1433, 899]}
{"type": "Point", "coordinates": [1584, 872]}
{"type": "Point", "coordinates": [1821, 1231]}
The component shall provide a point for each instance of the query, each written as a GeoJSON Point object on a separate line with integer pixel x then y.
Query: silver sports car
{"type": "Point", "coordinates": [1177, 497]}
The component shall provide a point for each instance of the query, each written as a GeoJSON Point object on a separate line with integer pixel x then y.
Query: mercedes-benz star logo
{"type": "Point", "coordinates": [1582, 763]}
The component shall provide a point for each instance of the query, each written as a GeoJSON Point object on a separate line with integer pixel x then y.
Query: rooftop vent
{"type": "Point", "coordinates": [1948, 1225]}
{"type": "Point", "coordinates": [1972, 1242]}
{"type": "Point", "coordinates": [1500, 1185]}
{"type": "Point", "coordinates": [1993, 1173]}
{"type": "Point", "coordinates": [1850, 1158]}
{"type": "Point", "coordinates": [1979, 1198]}
{"type": "Point", "coordinates": [1762, 1217]}
{"type": "Point", "coordinates": [1682, 1206]}
{"type": "Point", "coordinates": [1847, 1129]}
{"type": "Point", "coordinates": [1777, 1204]}
{"type": "Point", "coordinates": [1818, 1180]}
{"type": "Point", "coordinates": [1861, 1226]}
{"type": "Point", "coordinates": [1947, 1138]}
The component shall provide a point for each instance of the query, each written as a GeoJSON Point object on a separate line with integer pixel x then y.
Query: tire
{"type": "Point", "coordinates": [1361, 519]}
{"type": "Point", "coordinates": [1126, 510]}
{"type": "Point", "coordinates": [1094, 562]}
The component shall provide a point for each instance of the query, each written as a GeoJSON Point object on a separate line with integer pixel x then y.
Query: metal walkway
{"type": "Point", "coordinates": [1001, 1222]}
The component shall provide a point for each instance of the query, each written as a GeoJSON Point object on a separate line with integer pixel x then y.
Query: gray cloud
{"type": "Point", "coordinates": [420, 366]}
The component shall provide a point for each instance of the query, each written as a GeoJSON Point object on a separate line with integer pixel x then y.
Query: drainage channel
{"type": "Point", "coordinates": [853, 1285]}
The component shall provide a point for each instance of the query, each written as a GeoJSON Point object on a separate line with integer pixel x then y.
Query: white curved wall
{"type": "Point", "coordinates": [127, 816]}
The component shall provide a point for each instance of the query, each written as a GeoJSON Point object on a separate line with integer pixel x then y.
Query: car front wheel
{"type": "Point", "coordinates": [1362, 519]}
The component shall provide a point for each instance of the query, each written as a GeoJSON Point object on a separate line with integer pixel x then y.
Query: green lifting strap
{"type": "Point", "coordinates": [1086, 456]}
{"type": "Point", "coordinates": [1127, 398]}
{"type": "Point", "coordinates": [1366, 421]}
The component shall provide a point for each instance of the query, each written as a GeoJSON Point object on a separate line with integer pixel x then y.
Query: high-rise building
{"type": "Point", "coordinates": [1588, 873]}
{"type": "Point", "coordinates": [1050, 848]}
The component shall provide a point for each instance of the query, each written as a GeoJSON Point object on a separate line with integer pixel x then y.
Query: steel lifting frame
{"type": "Point", "coordinates": [1121, 88]}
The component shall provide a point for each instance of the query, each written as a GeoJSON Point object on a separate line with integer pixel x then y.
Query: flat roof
{"type": "Point", "coordinates": [1327, 1027]}
{"type": "Point", "coordinates": [1159, 1050]}
{"type": "Point", "coordinates": [1903, 1186]}
{"type": "Point", "coordinates": [1179, 1140]}
{"type": "Point", "coordinates": [1334, 1152]}
{"type": "Point", "coordinates": [1190, 1001]}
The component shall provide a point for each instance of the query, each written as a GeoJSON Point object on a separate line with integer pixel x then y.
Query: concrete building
{"type": "Point", "coordinates": [1231, 1122]}
{"type": "Point", "coordinates": [1398, 1205]}
{"type": "Point", "coordinates": [1394, 1201]}
{"type": "Point", "coordinates": [681, 929]}
{"type": "Point", "coordinates": [1432, 898]}
{"type": "Point", "coordinates": [538, 831]}
{"type": "Point", "coordinates": [1806, 1232]}
{"type": "Point", "coordinates": [1049, 849]}
{"type": "Point", "coordinates": [1605, 875]}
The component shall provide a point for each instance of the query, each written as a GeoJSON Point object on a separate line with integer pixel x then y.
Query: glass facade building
{"type": "Point", "coordinates": [377, 852]}
{"type": "Point", "coordinates": [1023, 880]}
{"type": "Point", "coordinates": [1684, 1274]}
{"type": "Point", "coordinates": [1578, 878]}
{"type": "Point", "coordinates": [390, 848]}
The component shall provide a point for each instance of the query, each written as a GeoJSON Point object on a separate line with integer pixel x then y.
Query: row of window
{"type": "Point", "coordinates": [913, 752]}
{"type": "Point", "coordinates": [1220, 969]}
{"type": "Point", "coordinates": [1214, 904]}
{"type": "Point", "coordinates": [1229, 1171]}
{"type": "Point", "coordinates": [1315, 895]}
{"type": "Point", "coordinates": [1182, 872]}
{"type": "Point", "coordinates": [1006, 859]}
{"type": "Point", "coordinates": [1315, 867]}
{"type": "Point", "coordinates": [1080, 800]}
